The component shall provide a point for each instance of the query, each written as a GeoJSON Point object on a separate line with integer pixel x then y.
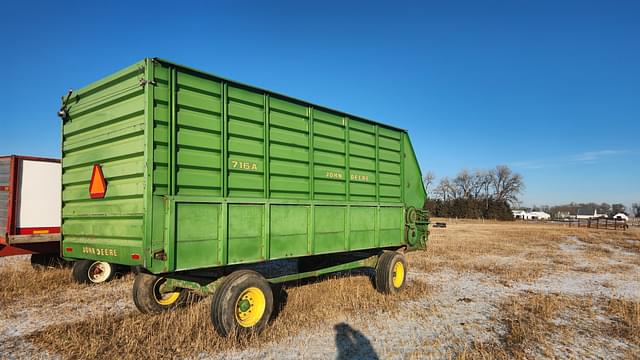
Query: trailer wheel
{"type": "Point", "coordinates": [149, 296]}
{"type": "Point", "coordinates": [92, 272]}
{"type": "Point", "coordinates": [391, 272]}
{"type": "Point", "coordinates": [243, 303]}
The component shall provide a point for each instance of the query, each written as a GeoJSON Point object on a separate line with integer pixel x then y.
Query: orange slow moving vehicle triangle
{"type": "Point", "coordinates": [98, 186]}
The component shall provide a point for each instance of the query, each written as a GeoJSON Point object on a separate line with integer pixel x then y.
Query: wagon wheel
{"type": "Point", "coordinates": [92, 272]}
{"type": "Point", "coordinates": [243, 303]}
{"type": "Point", "coordinates": [391, 272]}
{"type": "Point", "coordinates": [151, 296]}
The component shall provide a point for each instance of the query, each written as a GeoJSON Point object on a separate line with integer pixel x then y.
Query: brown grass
{"type": "Point", "coordinates": [626, 319]}
{"type": "Point", "coordinates": [469, 247]}
{"type": "Point", "coordinates": [541, 324]}
{"type": "Point", "coordinates": [529, 325]}
{"type": "Point", "coordinates": [547, 325]}
{"type": "Point", "coordinates": [22, 282]}
{"type": "Point", "coordinates": [529, 322]}
{"type": "Point", "coordinates": [188, 332]}
{"type": "Point", "coordinates": [532, 248]}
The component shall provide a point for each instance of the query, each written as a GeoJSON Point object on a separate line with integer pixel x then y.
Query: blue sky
{"type": "Point", "coordinates": [551, 89]}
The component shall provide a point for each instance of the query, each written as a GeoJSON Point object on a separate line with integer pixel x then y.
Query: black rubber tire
{"type": "Point", "coordinates": [147, 298]}
{"type": "Point", "coordinates": [385, 272]}
{"type": "Point", "coordinates": [223, 305]}
{"type": "Point", "coordinates": [83, 269]}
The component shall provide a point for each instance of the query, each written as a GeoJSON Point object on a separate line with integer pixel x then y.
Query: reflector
{"type": "Point", "coordinates": [97, 187]}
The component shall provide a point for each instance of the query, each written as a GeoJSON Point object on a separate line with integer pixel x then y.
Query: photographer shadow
{"type": "Point", "coordinates": [352, 344]}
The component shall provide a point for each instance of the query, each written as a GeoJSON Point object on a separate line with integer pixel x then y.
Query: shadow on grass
{"type": "Point", "coordinates": [280, 295]}
{"type": "Point", "coordinates": [352, 344]}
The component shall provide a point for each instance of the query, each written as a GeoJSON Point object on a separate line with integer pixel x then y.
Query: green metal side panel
{"type": "Point", "coordinates": [415, 194]}
{"type": "Point", "coordinates": [205, 172]}
{"type": "Point", "coordinates": [246, 238]}
{"type": "Point", "coordinates": [389, 155]}
{"type": "Point", "coordinates": [330, 226]}
{"type": "Point", "coordinates": [245, 143]}
{"type": "Point", "coordinates": [362, 234]}
{"type": "Point", "coordinates": [289, 171]}
{"type": "Point", "coordinates": [198, 231]}
{"type": "Point", "coordinates": [288, 150]}
{"type": "Point", "coordinates": [289, 231]}
{"type": "Point", "coordinates": [391, 226]}
{"type": "Point", "coordinates": [329, 157]}
{"type": "Point", "coordinates": [105, 126]}
{"type": "Point", "coordinates": [362, 161]}
{"type": "Point", "coordinates": [198, 136]}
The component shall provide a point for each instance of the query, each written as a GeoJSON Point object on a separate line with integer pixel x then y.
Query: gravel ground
{"type": "Point", "coordinates": [463, 308]}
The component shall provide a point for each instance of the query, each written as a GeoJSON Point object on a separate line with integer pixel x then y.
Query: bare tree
{"type": "Point", "coordinates": [636, 209]}
{"type": "Point", "coordinates": [463, 184]}
{"type": "Point", "coordinates": [499, 184]}
{"type": "Point", "coordinates": [480, 184]}
{"type": "Point", "coordinates": [444, 190]}
{"type": "Point", "coordinates": [506, 184]}
{"type": "Point", "coordinates": [428, 179]}
{"type": "Point", "coordinates": [617, 208]}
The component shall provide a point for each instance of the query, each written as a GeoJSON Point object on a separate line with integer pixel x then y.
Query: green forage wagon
{"type": "Point", "coordinates": [215, 187]}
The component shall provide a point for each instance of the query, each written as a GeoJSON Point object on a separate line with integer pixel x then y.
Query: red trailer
{"type": "Point", "coordinates": [30, 208]}
{"type": "Point", "coordinates": [30, 216]}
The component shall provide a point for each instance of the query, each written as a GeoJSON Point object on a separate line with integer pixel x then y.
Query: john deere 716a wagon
{"type": "Point", "coordinates": [206, 183]}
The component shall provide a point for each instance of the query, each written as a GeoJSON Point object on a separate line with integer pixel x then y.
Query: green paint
{"type": "Point", "coordinates": [172, 284]}
{"type": "Point", "coordinates": [289, 230]}
{"type": "Point", "coordinates": [204, 172]}
{"type": "Point", "coordinates": [244, 305]}
{"type": "Point", "coordinates": [197, 235]}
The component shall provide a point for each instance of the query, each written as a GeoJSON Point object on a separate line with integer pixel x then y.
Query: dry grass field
{"type": "Point", "coordinates": [480, 291]}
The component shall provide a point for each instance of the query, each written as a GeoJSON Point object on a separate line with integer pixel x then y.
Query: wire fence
{"type": "Point", "coordinates": [634, 222]}
{"type": "Point", "coordinates": [607, 224]}
{"type": "Point", "coordinates": [598, 223]}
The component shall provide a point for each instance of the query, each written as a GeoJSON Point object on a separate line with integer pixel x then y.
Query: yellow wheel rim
{"type": "Point", "coordinates": [398, 274]}
{"type": "Point", "coordinates": [164, 298]}
{"type": "Point", "coordinates": [250, 307]}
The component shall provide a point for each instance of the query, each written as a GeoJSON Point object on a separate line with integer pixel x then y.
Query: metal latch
{"type": "Point", "coordinates": [160, 255]}
{"type": "Point", "coordinates": [144, 82]}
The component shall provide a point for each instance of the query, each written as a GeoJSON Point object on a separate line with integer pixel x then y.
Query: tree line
{"type": "Point", "coordinates": [478, 194]}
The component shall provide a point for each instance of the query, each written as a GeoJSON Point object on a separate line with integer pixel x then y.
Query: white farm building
{"type": "Point", "coordinates": [538, 215]}
{"type": "Point", "coordinates": [532, 215]}
{"type": "Point", "coordinates": [585, 215]}
{"type": "Point", "coordinates": [621, 216]}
